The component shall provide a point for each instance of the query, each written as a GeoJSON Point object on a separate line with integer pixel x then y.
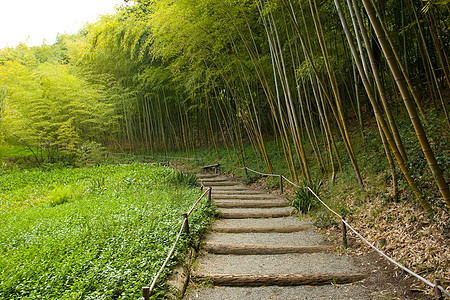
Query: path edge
{"type": "Point", "coordinates": [179, 278]}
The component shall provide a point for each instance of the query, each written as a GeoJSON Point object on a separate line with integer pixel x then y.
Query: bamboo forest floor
{"type": "Point", "coordinates": [259, 249]}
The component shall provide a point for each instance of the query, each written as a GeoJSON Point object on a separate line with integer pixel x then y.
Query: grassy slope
{"type": "Point", "coordinates": [97, 233]}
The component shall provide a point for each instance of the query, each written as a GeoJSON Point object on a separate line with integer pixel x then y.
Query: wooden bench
{"type": "Point", "coordinates": [206, 168]}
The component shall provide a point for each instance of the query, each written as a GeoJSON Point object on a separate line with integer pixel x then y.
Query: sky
{"type": "Point", "coordinates": [35, 21]}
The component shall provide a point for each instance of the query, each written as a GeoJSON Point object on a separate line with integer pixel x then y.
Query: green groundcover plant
{"type": "Point", "coordinates": [93, 233]}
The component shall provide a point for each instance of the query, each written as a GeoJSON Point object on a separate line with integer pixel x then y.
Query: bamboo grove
{"type": "Point", "coordinates": [310, 74]}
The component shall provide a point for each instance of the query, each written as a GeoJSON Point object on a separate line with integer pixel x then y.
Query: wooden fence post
{"type": "Point", "coordinates": [209, 195]}
{"type": "Point", "coordinates": [186, 223]}
{"type": "Point", "coordinates": [145, 293]}
{"type": "Point", "coordinates": [344, 234]}
{"type": "Point", "coordinates": [281, 184]}
{"type": "Point", "coordinates": [437, 291]}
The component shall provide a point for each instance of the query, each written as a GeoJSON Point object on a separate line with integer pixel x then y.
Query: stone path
{"type": "Point", "coordinates": [259, 250]}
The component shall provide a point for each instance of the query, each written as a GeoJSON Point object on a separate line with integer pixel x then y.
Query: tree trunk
{"type": "Point", "coordinates": [402, 86]}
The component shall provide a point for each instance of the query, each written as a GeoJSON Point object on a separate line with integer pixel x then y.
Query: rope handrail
{"type": "Point", "coordinates": [198, 200]}
{"type": "Point", "coordinates": [247, 168]}
{"type": "Point", "coordinates": [388, 258]}
{"type": "Point", "coordinates": [262, 174]}
{"type": "Point", "coordinates": [184, 228]}
{"type": "Point", "coordinates": [233, 167]}
{"type": "Point", "coordinates": [152, 286]}
{"type": "Point", "coordinates": [432, 285]}
{"type": "Point", "coordinates": [153, 156]}
{"type": "Point", "coordinates": [324, 204]}
{"type": "Point", "coordinates": [296, 185]}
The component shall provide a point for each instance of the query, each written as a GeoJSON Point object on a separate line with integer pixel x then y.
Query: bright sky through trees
{"type": "Point", "coordinates": [32, 21]}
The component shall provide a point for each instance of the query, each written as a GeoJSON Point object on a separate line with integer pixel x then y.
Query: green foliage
{"type": "Point", "coordinates": [3, 92]}
{"type": "Point", "coordinates": [420, 170]}
{"type": "Point", "coordinates": [90, 153]}
{"type": "Point", "coordinates": [91, 233]}
{"type": "Point", "coordinates": [304, 201]}
{"type": "Point", "coordinates": [50, 103]}
{"type": "Point", "coordinates": [305, 69]}
{"type": "Point", "coordinates": [251, 178]}
{"type": "Point", "coordinates": [14, 151]}
{"type": "Point", "coordinates": [68, 137]}
{"type": "Point", "coordinates": [185, 179]}
{"type": "Point", "coordinates": [324, 220]}
{"type": "Point", "coordinates": [60, 195]}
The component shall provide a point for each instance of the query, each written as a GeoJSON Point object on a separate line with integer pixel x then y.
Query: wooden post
{"type": "Point", "coordinates": [246, 172]}
{"type": "Point", "coordinates": [145, 293]}
{"type": "Point", "coordinates": [209, 195]}
{"type": "Point", "coordinates": [344, 234]}
{"type": "Point", "coordinates": [437, 291]}
{"type": "Point", "coordinates": [186, 223]}
{"type": "Point", "coordinates": [281, 184]}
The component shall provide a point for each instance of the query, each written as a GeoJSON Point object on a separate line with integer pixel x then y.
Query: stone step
{"type": "Point", "coordinates": [215, 179]}
{"type": "Point", "coordinates": [246, 196]}
{"type": "Point", "coordinates": [299, 238]}
{"type": "Point", "coordinates": [226, 189]}
{"type": "Point", "coordinates": [280, 279]}
{"type": "Point", "coordinates": [207, 175]}
{"type": "Point", "coordinates": [249, 203]}
{"type": "Point", "coordinates": [292, 263]}
{"type": "Point", "coordinates": [261, 249]}
{"type": "Point", "coordinates": [260, 229]}
{"type": "Point", "coordinates": [246, 191]}
{"type": "Point", "coordinates": [245, 213]}
{"type": "Point", "coordinates": [286, 221]}
{"type": "Point", "coordinates": [298, 292]}
{"type": "Point", "coordinates": [219, 183]}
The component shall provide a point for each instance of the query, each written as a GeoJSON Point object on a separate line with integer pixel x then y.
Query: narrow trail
{"type": "Point", "coordinates": [259, 250]}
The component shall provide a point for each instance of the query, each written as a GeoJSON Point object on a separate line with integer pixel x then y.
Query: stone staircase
{"type": "Point", "coordinates": [259, 250]}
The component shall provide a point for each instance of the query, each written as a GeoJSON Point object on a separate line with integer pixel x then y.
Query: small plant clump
{"type": "Point", "coordinates": [89, 153]}
{"type": "Point", "coordinates": [251, 179]}
{"type": "Point", "coordinates": [60, 195]}
{"type": "Point", "coordinates": [188, 179]}
{"type": "Point", "coordinates": [305, 201]}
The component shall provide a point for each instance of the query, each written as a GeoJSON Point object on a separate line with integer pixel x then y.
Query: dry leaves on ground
{"type": "Point", "coordinates": [406, 234]}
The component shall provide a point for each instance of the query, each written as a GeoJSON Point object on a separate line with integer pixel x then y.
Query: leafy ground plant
{"type": "Point", "coordinates": [104, 238]}
{"type": "Point", "coordinates": [304, 201]}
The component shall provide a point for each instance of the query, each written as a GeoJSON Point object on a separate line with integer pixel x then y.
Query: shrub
{"type": "Point", "coordinates": [185, 179]}
{"type": "Point", "coordinates": [90, 152]}
{"type": "Point", "coordinates": [304, 201]}
{"type": "Point", "coordinates": [251, 179]}
{"type": "Point", "coordinates": [60, 195]}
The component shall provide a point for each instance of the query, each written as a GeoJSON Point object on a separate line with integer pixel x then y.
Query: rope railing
{"type": "Point", "coordinates": [262, 174]}
{"type": "Point", "coordinates": [207, 191]}
{"type": "Point", "coordinates": [147, 291]}
{"type": "Point", "coordinates": [438, 289]}
{"type": "Point", "coordinates": [159, 156]}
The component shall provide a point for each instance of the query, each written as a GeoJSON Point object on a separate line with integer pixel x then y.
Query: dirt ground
{"type": "Point", "coordinates": [392, 282]}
